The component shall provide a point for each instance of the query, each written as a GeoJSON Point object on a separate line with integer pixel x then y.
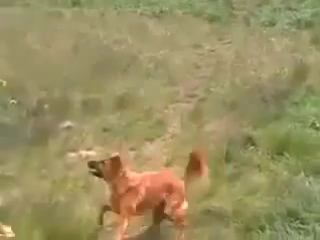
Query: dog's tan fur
{"type": "Point", "coordinates": [133, 193]}
{"type": "Point", "coordinates": [197, 166]}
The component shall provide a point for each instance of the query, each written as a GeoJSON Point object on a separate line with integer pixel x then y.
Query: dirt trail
{"type": "Point", "coordinates": [160, 147]}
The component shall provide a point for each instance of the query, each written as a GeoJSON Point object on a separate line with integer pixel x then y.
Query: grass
{"type": "Point", "coordinates": [292, 14]}
{"type": "Point", "coordinates": [132, 75]}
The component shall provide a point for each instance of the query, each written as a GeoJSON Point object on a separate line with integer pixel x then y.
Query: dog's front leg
{"type": "Point", "coordinates": [123, 223]}
{"type": "Point", "coordinates": [103, 210]}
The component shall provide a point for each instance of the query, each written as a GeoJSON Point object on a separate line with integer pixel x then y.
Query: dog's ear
{"type": "Point", "coordinates": [116, 162]}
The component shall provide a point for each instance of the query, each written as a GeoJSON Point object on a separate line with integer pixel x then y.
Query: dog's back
{"type": "Point", "coordinates": [163, 185]}
{"type": "Point", "coordinates": [158, 186]}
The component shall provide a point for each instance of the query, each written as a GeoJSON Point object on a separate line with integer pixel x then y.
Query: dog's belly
{"type": "Point", "coordinates": [147, 205]}
{"type": "Point", "coordinates": [169, 202]}
{"type": "Point", "coordinates": [139, 204]}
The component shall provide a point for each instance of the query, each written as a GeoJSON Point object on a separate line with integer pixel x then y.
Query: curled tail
{"type": "Point", "coordinates": [197, 167]}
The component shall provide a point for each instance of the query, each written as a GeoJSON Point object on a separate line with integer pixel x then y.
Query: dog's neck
{"type": "Point", "coordinates": [121, 182]}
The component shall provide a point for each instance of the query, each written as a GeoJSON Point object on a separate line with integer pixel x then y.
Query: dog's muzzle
{"type": "Point", "coordinates": [95, 168]}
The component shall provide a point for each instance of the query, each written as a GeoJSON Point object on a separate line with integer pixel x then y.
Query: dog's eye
{"type": "Point", "coordinates": [102, 162]}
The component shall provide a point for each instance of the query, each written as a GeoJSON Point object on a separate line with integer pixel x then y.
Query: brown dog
{"type": "Point", "coordinates": [133, 193]}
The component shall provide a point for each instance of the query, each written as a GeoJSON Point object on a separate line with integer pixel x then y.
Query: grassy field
{"type": "Point", "coordinates": [153, 79]}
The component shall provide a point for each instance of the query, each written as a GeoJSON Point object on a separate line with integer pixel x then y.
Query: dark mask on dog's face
{"type": "Point", "coordinates": [106, 169]}
{"type": "Point", "coordinates": [96, 168]}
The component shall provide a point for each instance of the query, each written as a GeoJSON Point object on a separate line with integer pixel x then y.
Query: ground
{"type": "Point", "coordinates": [154, 80]}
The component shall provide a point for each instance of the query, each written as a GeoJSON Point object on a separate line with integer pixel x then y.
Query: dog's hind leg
{"type": "Point", "coordinates": [179, 216]}
{"type": "Point", "coordinates": [159, 214]}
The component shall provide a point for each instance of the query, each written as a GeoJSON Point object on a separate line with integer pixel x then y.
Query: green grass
{"type": "Point", "coordinates": [149, 85]}
{"type": "Point", "coordinates": [293, 14]}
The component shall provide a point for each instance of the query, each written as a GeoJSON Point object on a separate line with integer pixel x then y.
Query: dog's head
{"type": "Point", "coordinates": [107, 169]}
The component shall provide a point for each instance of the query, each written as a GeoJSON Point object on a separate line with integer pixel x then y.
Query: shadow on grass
{"type": "Point", "coordinates": [151, 232]}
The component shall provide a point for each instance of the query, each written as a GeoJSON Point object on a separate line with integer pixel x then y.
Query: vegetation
{"type": "Point", "coordinates": [156, 78]}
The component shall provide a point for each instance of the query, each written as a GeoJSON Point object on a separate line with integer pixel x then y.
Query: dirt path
{"type": "Point", "coordinates": [160, 147]}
